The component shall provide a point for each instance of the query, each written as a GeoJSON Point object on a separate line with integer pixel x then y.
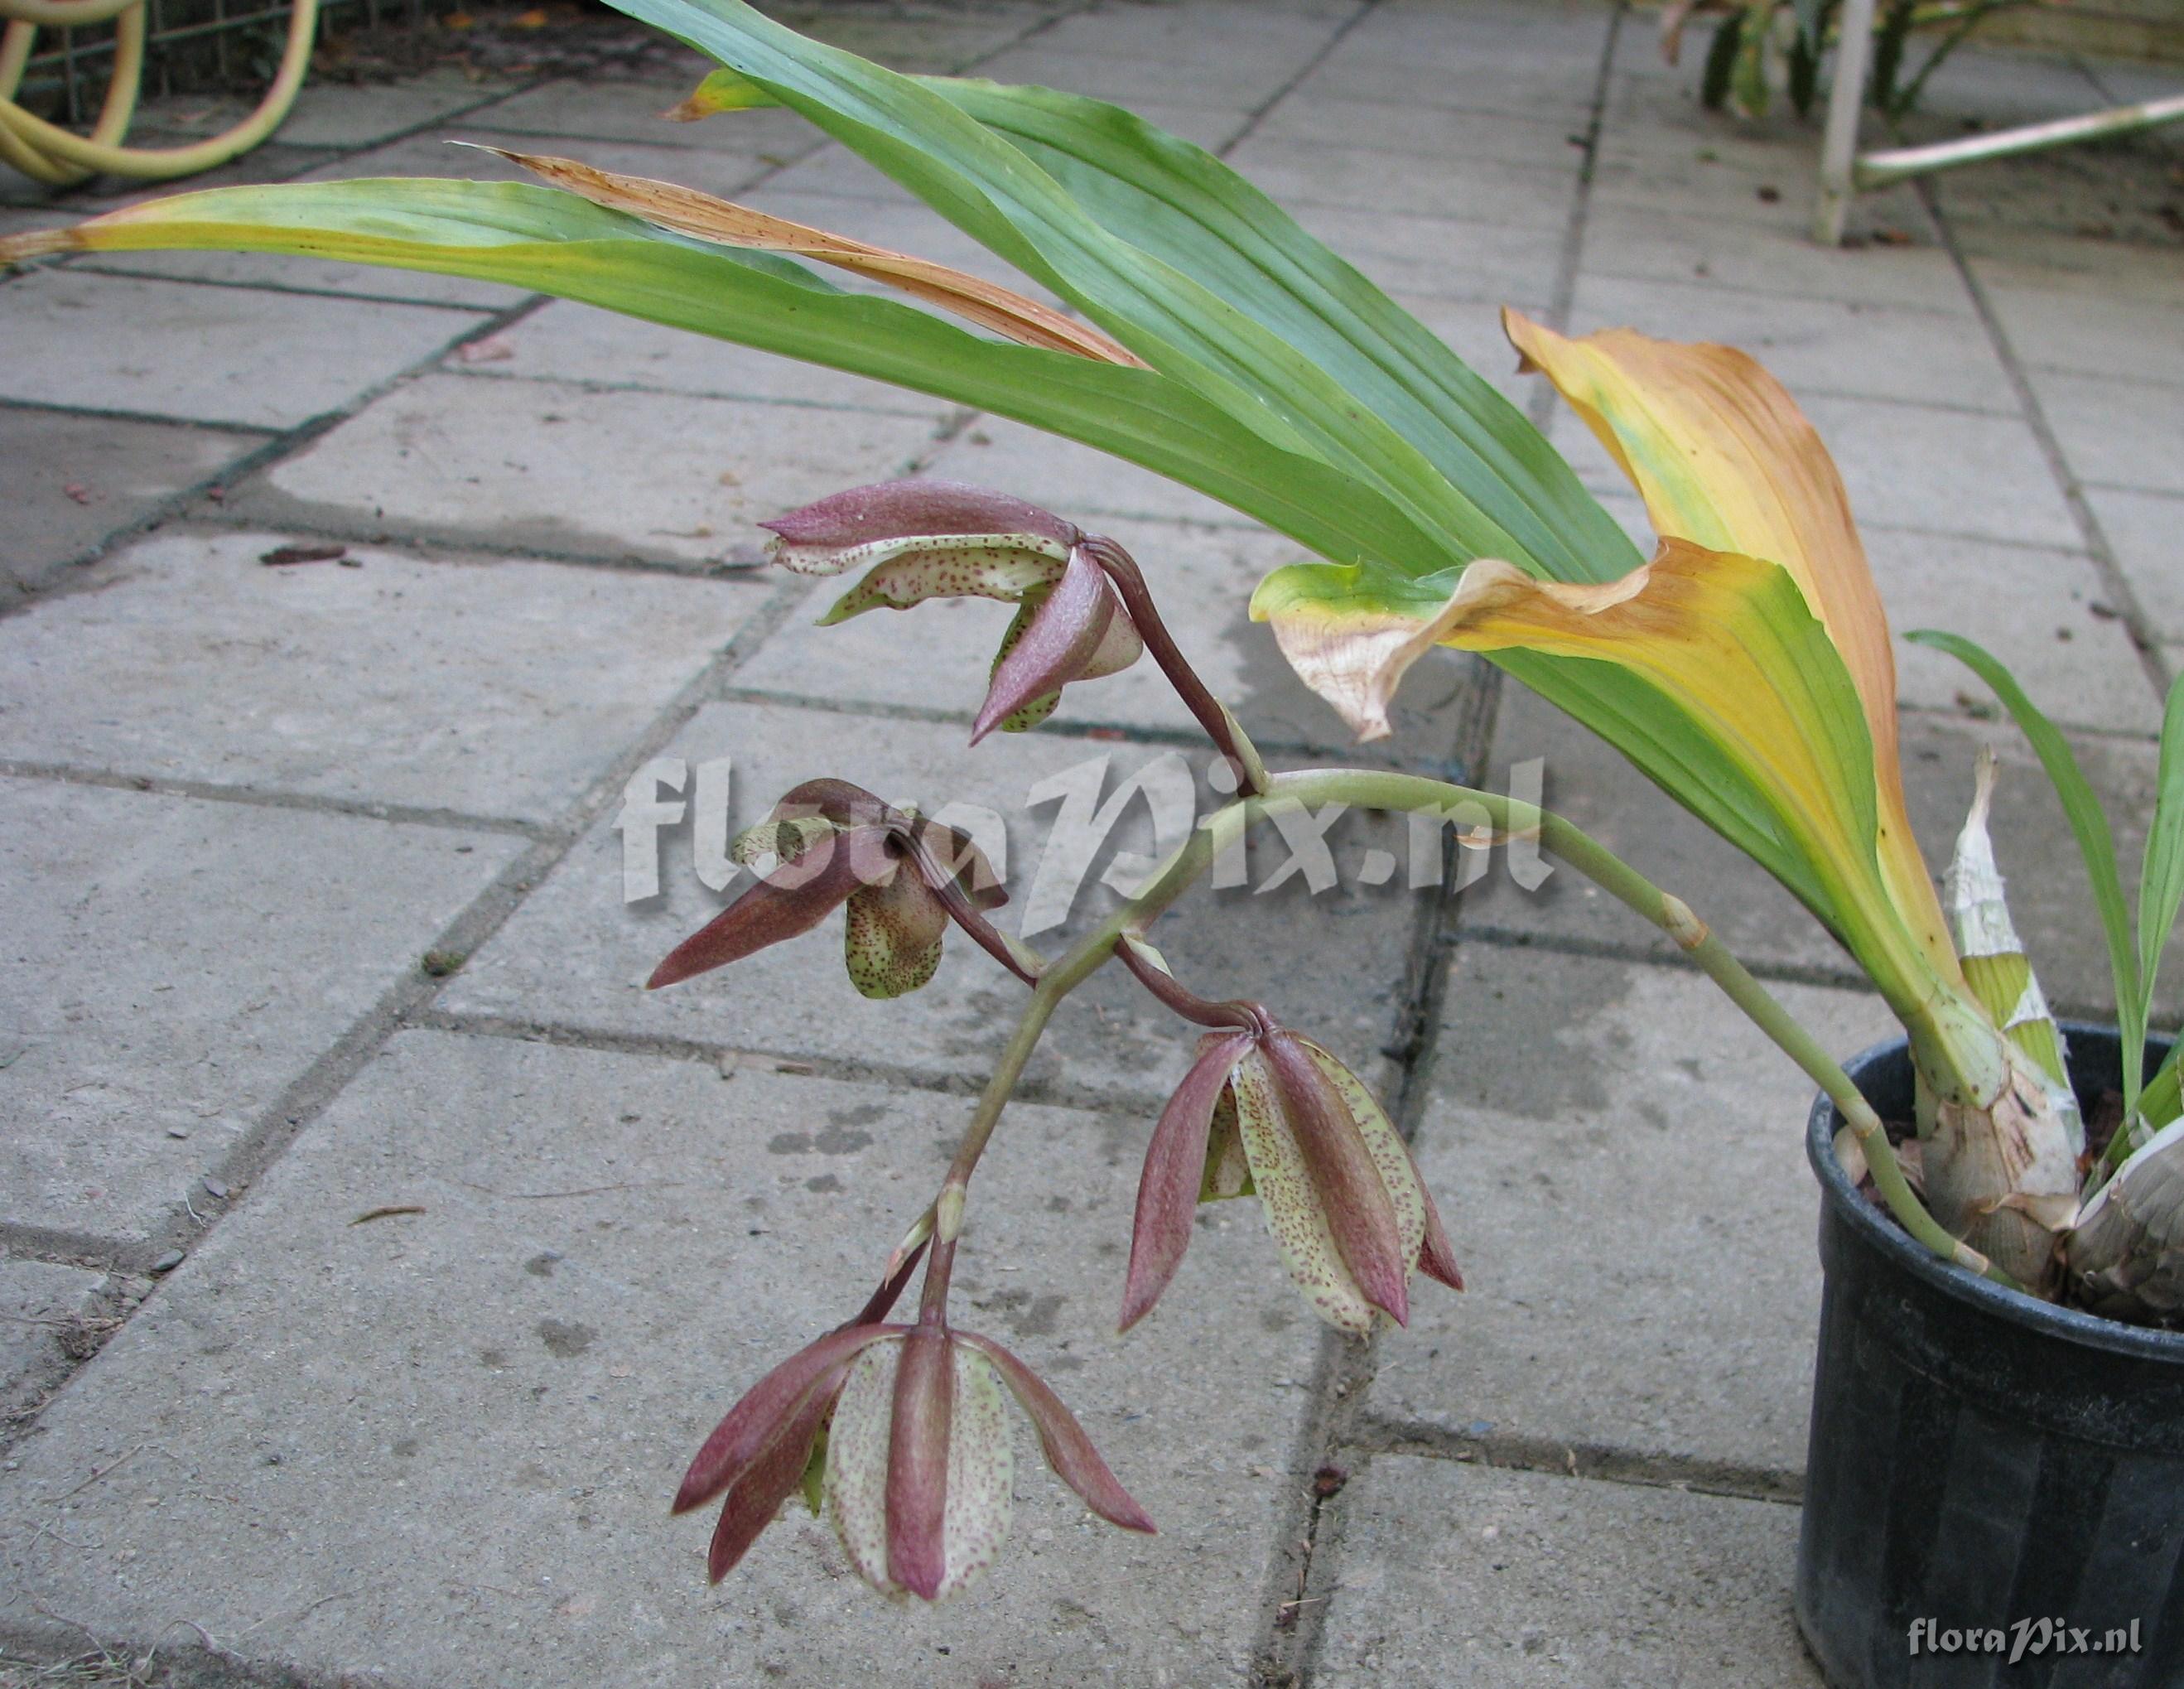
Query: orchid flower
{"type": "Point", "coordinates": [909, 1429]}
{"type": "Point", "coordinates": [921, 539]}
{"type": "Point", "coordinates": [1263, 1111]}
{"type": "Point", "coordinates": [902, 877]}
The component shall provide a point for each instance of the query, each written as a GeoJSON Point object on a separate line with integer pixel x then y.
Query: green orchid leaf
{"type": "Point", "coordinates": [557, 242]}
{"type": "Point", "coordinates": [1183, 206]}
{"type": "Point", "coordinates": [2161, 874]}
{"type": "Point", "coordinates": [999, 196]}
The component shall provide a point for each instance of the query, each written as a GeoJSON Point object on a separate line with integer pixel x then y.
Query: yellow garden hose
{"type": "Point", "coordinates": [53, 155]}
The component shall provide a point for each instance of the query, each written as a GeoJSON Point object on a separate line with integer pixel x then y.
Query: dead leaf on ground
{"type": "Point", "coordinates": [281, 554]}
{"type": "Point", "coordinates": [388, 1212]}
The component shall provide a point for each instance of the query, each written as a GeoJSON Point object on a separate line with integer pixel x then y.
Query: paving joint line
{"type": "Point", "coordinates": [732, 1058]}
{"type": "Point", "coordinates": [306, 1097]}
{"type": "Point", "coordinates": [1586, 1462]}
{"type": "Point", "coordinates": [253, 797]}
{"type": "Point", "coordinates": [1088, 728]}
{"type": "Point", "coordinates": [279, 444]}
{"type": "Point", "coordinates": [426, 545]}
{"type": "Point", "coordinates": [1818, 977]}
{"type": "Point", "coordinates": [1301, 1583]}
{"type": "Point", "coordinates": [72, 1246]}
{"type": "Point", "coordinates": [2083, 730]}
{"type": "Point", "coordinates": [470, 372]}
{"type": "Point", "coordinates": [101, 413]}
{"type": "Point", "coordinates": [2123, 597]}
{"type": "Point", "coordinates": [294, 290]}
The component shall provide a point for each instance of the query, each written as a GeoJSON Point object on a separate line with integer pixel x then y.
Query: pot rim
{"type": "Point", "coordinates": [1880, 1230]}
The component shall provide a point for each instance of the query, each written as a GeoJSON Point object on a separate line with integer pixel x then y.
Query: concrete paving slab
{"type": "Point", "coordinates": [1622, 240]}
{"type": "Point", "coordinates": [598, 108]}
{"type": "Point", "coordinates": [364, 114]}
{"type": "Point", "coordinates": [1460, 1574]}
{"type": "Point", "coordinates": [1817, 346]}
{"type": "Point", "coordinates": [575, 470]}
{"type": "Point", "coordinates": [1461, 139]}
{"type": "Point", "coordinates": [2091, 332]}
{"type": "Point", "coordinates": [2046, 614]}
{"type": "Point", "coordinates": [1649, 1119]}
{"type": "Point", "coordinates": [43, 1307]}
{"type": "Point", "coordinates": [1559, 42]}
{"type": "Point", "coordinates": [1944, 471]}
{"type": "Point", "coordinates": [2126, 191]}
{"type": "Point", "coordinates": [1513, 197]}
{"type": "Point", "coordinates": [174, 964]}
{"type": "Point", "coordinates": [1244, 31]}
{"type": "Point", "coordinates": [74, 480]}
{"type": "Point", "coordinates": [568, 341]}
{"type": "Point", "coordinates": [1442, 257]}
{"type": "Point", "coordinates": [1076, 479]}
{"type": "Point", "coordinates": [1648, 120]}
{"type": "Point", "coordinates": [475, 1493]}
{"type": "Point", "coordinates": [2146, 532]}
{"type": "Point", "coordinates": [383, 678]}
{"type": "Point", "coordinates": [212, 354]}
{"type": "Point", "coordinates": [1760, 921]}
{"type": "Point", "coordinates": [1201, 578]}
{"type": "Point", "coordinates": [1244, 78]}
{"type": "Point", "coordinates": [2116, 433]}
{"type": "Point", "coordinates": [1999, 87]}
{"type": "Point", "coordinates": [1479, 82]}
{"type": "Point", "coordinates": [575, 955]}
{"type": "Point", "coordinates": [2094, 268]}
{"type": "Point", "coordinates": [1675, 185]}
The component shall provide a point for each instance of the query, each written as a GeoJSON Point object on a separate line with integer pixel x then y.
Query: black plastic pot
{"type": "Point", "coordinates": [1982, 1460]}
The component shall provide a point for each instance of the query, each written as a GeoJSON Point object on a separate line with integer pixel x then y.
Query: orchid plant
{"type": "Point", "coordinates": [1745, 667]}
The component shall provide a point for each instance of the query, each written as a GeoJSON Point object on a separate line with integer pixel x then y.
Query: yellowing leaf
{"type": "Point", "coordinates": [1724, 458]}
{"type": "Point", "coordinates": [686, 211]}
{"type": "Point", "coordinates": [721, 91]}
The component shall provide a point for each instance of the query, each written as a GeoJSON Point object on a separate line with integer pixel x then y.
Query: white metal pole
{"type": "Point", "coordinates": [1839, 149]}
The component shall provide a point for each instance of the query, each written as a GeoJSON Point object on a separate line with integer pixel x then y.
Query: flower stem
{"type": "Point", "coordinates": [1199, 1011]}
{"type": "Point", "coordinates": [1371, 789]}
{"type": "Point", "coordinates": [1219, 722]}
{"type": "Point", "coordinates": [1571, 845]}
